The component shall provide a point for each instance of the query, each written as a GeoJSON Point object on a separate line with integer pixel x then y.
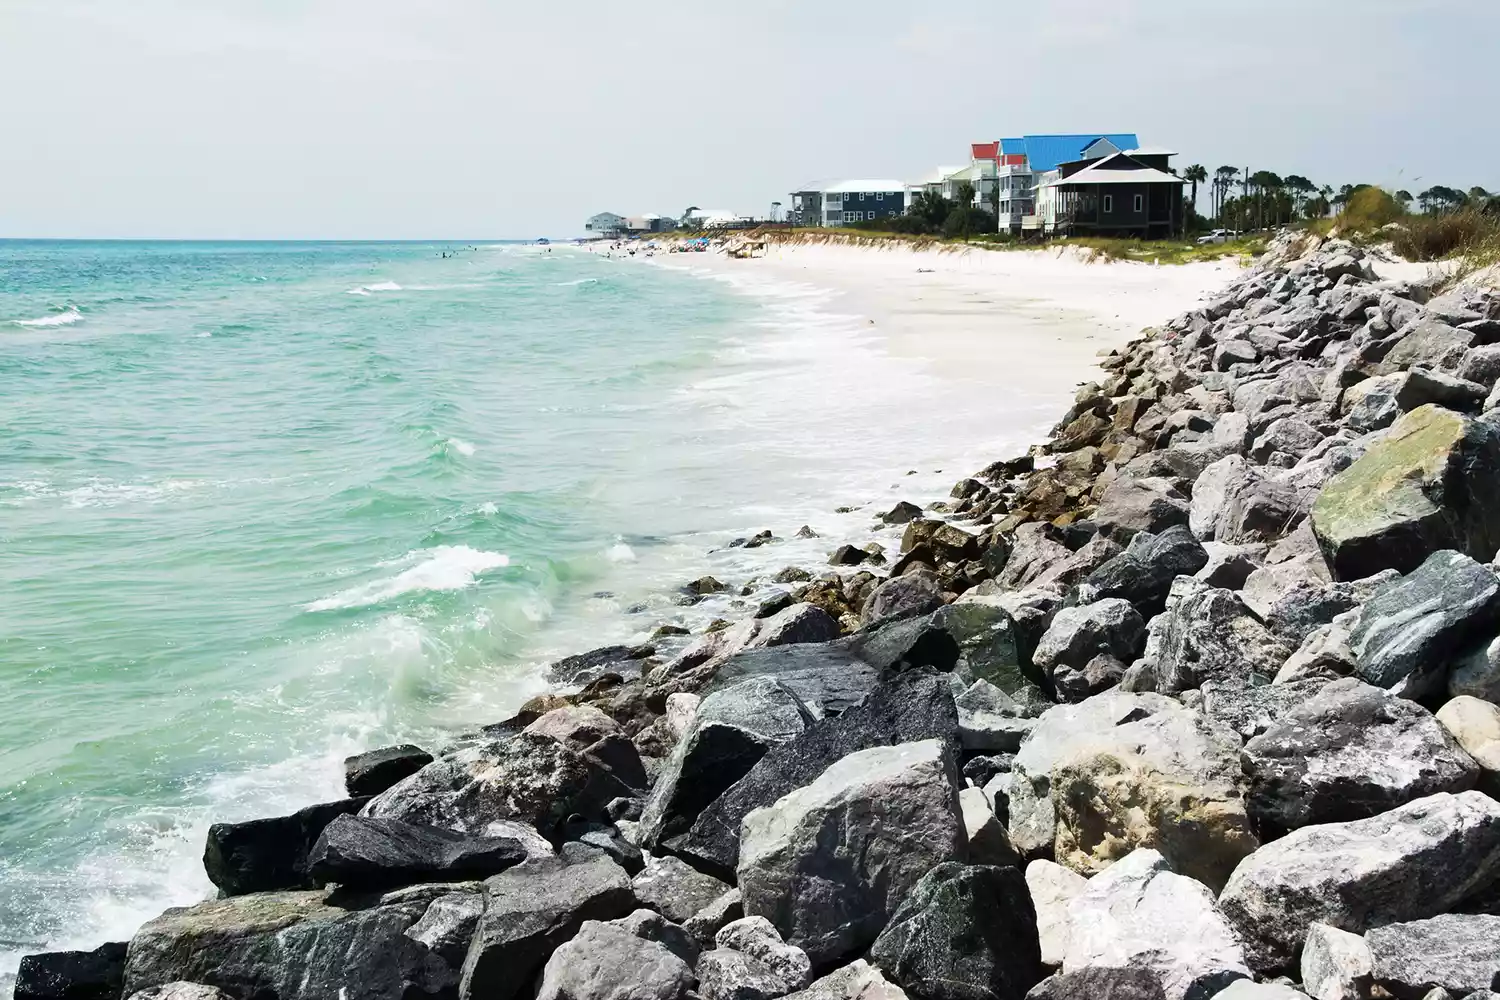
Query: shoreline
{"type": "Point", "coordinates": [1193, 486]}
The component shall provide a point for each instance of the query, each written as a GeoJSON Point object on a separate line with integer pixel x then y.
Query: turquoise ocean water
{"type": "Point", "coordinates": [264, 505]}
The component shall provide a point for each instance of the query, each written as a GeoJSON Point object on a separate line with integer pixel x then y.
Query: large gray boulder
{"type": "Point", "coordinates": [965, 931]}
{"type": "Point", "coordinates": [1236, 502]}
{"type": "Point", "coordinates": [1053, 888]}
{"type": "Point", "coordinates": [361, 852]}
{"type": "Point", "coordinates": [532, 909]}
{"type": "Point", "coordinates": [529, 778]}
{"type": "Point", "coordinates": [829, 677]}
{"type": "Point", "coordinates": [1100, 983]}
{"type": "Point", "coordinates": [917, 593]}
{"type": "Point", "coordinates": [176, 991]}
{"type": "Point", "coordinates": [1141, 914]}
{"type": "Point", "coordinates": [996, 634]}
{"type": "Point", "coordinates": [307, 945]}
{"type": "Point", "coordinates": [1078, 634]}
{"type": "Point", "coordinates": [856, 981]}
{"type": "Point", "coordinates": [1144, 572]}
{"type": "Point", "coordinates": [1209, 634]}
{"type": "Point", "coordinates": [1130, 505]}
{"type": "Point", "coordinates": [1410, 629]}
{"type": "Point", "coordinates": [1429, 485]}
{"type": "Point", "coordinates": [674, 889]}
{"type": "Point", "coordinates": [829, 863]}
{"type": "Point", "coordinates": [732, 730]}
{"type": "Point", "coordinates": [1412, 862]}
{"type": "Point", "coordinates": [72, 975]}
{"type": "Point", "coordinates": [1457, 952]}
{"type": "Point", "coordinates": [373, 771]}
{"type": "Point", "coordinates": [1350, 752]}
{"type": "Point", "coordinates": [1251, 709]}
{"type": "Point", "coordinates": [639, 957]}
{"type": "Point", "coordinates": [906, 710]}
{"type": "Point", "coordinates": [264, 855]}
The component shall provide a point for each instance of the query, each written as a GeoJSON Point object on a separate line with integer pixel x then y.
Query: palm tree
{"type": "Point", "coordinates": [1300, 187]}
{"type": "Point", "coordinates": [1224, 179]}
{"type": "Point", "coordinates": [1193, 175]}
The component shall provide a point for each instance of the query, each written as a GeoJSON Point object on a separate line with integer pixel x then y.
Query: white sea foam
{"type": "Point", "coordinates": [67, 317]}
{"type": "Point", "coordinates": [447, 567]}
{"type": "Point", "coordinates": [379, 286]}
{"type": "Point", "coordinates": [577, 281]}
{"type": "Point", "coordinates": [461, 446]}
{"type": "Point", "coordinates": [619, 552]}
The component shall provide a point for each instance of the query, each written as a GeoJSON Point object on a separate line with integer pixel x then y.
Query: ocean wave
{"type": "Point", "coordinates": [379, 286]}
{"type": "Point", "coordinates": [461, 446]}
{"type": "Point", "coordinates": [68, 317]}
{"type": "Point", "coordinates": [577, 281]}
{"type": "Point", "coordinates": [446, 567]}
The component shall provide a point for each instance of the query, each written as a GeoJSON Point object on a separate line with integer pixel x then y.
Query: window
{"type": "Point", "coordinates": [1109, 203]}
{"type": "Point", "coordinates": [1140, 203]}
{"type": "Point", "coordinates": [880, 196]}
{"type": "Point", "coordinates": [861, 196]}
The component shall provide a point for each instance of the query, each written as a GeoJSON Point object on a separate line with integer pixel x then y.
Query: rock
{"type": "Point", "coordinates": [995, 646]}
{"type": "Point", "coordinates": [1078, 634]}
{"type": "Point", "coordinates": [532, 909]}
{"type": "Point", "coordinates": [1475, 726]}
{"type": "Point", "coordinates": [829, 677]}
{"type": "Point", "coordinates": [1410, 628]}
{"type": "Point", "coordinates": [1236, 502]}
{"type": "Point", "coordinates": [902, 513]}
{"type": "Point", "coordinates": [1099, 674]}
{"type": "Point", "coordinates": [1207, 634]}
{"type": "Point", "coordinates": [985, 728]}
{"type": "Point", "coordinates": [1035, 548]}
{"type": "Point", "coordinates": [1420, 387]}
{"type": "Point", "coordinates": [751, 962]}
{"type": "Point", "coordinates": [311, 945]}
{"type": "Point", "coordinates": [848, 555]}
{"type": "Point", "coordinates": [947, 540]}
{"type": "Point", "coordinates": [1308, 604]}
{"type": "Point", "coordinates": [609, 840]}
{"type": "Point", "coordinates": [989, 844]}
{"type": "Point", "coordinates": [704, 586]}
{"type": "Point", "coordinates": [1426, 486]}
{"type": "Point", "coordinates": [1234, 352]}
{"type": "Point", "coordinates": [904, 644]}
{"type": "Point", "coordinates": [1131, 505]}
{"type": "Point", "coordinates": [1350, 752]}
{"type": "Point", "coordinates": [1244, 989]}
{"type": "Point", "coordinates": [964, 931]}
{"type": "Point", "coordinates": [640, 957]}
{"type": "Point", "coordinates": [578, 726]}
{"type": "Point", "coordinates": [906, 710]}
{"type": "Point", "coordinates": [1251, 709]}
{"type": "Point", "coordinates": [1229, 565]}
{"type": "Point", "coordinates": [360, 852]}
{"type": "Point", "coordinates": [1456, 952]}
{"type": "Point", "coordinates": [1059, 733]}
{"type": "Point", "coordinates": [1141, 914]}
{"type": "Point", "coordinates": [1481, 364]}
{"type": "Point", "coordinates": [1170, 781]}
{"type": "Point", "coordinates": [72, 975]}
{"type": "Point", "coordinates": [830, 862]}
{"type": "Point", "coordinates": [1372, 404]}
{"type": "Point", "coordinates": [1336, 965]}
{"type": "Point", "coordinates": [855, 981]}
{"type": "Point", "coordinates": [732, 729]}
{"type": "Point", "coordinates": [267, 854]}
{"type": "Point", "coordinates": [1323, 655]}
{"type": "Point", "coordinates": [1144, 572]}
{"type": "Point", "coordinates": [1476, 671]}
{"type": "Point", "coordinates": [707, 922]}
{"type": "Point", "coordinates": [373, 771]}
{"type": "Point", "coordinates": [682, 708]}
{"type": "Point", "coordinates": [585, 667]}
{"type": "Point", "coordinates": [1053, 888]}
{"type": "Point", "coordinates": [1412, 862]}
{"type": "Point", "coordinates": [1100, 983]}
{"type": "Point", "coordinates": [795, 623]}
{"type": "Point", "coordinates": [902, 597]}
{"type": "Point", "coordinates": [529, 778]}
{"type": "Point", "coordinates": [675, 890]}
{"type": "Point", "coordinates": [181, 991]}
{"type": "Point", "coordinates": [1430, 343]}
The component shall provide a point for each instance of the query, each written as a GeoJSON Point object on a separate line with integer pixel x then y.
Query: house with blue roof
{"type": "Point", "coordinates": [1024, 162]}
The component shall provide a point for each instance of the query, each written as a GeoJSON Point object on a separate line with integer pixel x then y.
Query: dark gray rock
{"type": "Point", "coordinates": [829, 863]}
{"type": "Point", "coordinates": [1099, 674]}
{"type": "Point", "coordinates": [903, 597]}
{"type": "Point", "coordinates": [751, 962]}
{"type": "Point", "coordinates": [639, 957]}
{"type": "Point", "coordinates": [365, 853]}
{"type": "Point", "coordinates": [732, 729]}
{"type": "Point", "coordinates": [1035, 548]}
{"type": "Point", "coordinates": [675, 890]}
{"type": "Point", "coordinates": [1413, 862]}
{"type": "Point", "coordinates": [902, 513]}
{"type": "Point", "coordinates": [1348, 753]}
{"type": "Point", "coordinates": [72, 975]}
{"type": "Point", "coordinates": [707, 922]}
{"type": "Point", "coordinates": [529, 778]}
{"type": "Point", "coordinates": [1251, 709]}
{"type": "Point", "coordinates": [794, 623]}
{"type": "Point", "coordinates": [1456, 952]}
{"type": "Point", "coordinates": [1208, 634]}
{"type": "Point", "coordinates": [624, 660]}
{"type": "Point", "coordinates": [312, 945]}
{"type": "Point", "coordinates": [1308, 604]}
{"type": "Point", "coordinates": [1131, 505]}
{"type": "Point", "coordinates": [894, 647]}
{"type": "Point", "coordinates": [267, 854]}
{"type": "Point", "coordinates": [532, 909]}
{"type": "Point", "coordinates": [848, 555]}
{"type": "Point", "coordinates": [1428, 485]}
{"type": "Point", "coordinates": [827, 676]}
{"type": "Point", "coordinates": [912, 708]}
{"type": "Point", "coordinates": [1410, 629]}
{"type": "Point", "coordinates": [965, 931]}
{"type": "Point", "coordinates": [1100, 983]}
{"type": "Point", "coordinates": [607, 840]}
{"type": "Point", "coordinates": [1144, 572]}
{"type": "Point", "coordinates": [1078, 634]}
{"type": "Point", "coordinates": [373, 771]}
{"type": "Point", "coordinates": [995, 643]}
{"type": "Point", "coordinates": [1430, 343]}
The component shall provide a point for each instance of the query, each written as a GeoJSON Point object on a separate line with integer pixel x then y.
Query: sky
{"type": "Point", "coordinates": [379, 119]}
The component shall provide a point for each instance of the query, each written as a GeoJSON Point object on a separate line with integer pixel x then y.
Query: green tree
{"type": "Point", "coordinates": [1224, 179]}
{"type": "Point", "coordinates": [1404, 197]}
{"type": "Point", "coordinates": [1195, 175]}
{"type": "Point", "coordinates": [932, 208]}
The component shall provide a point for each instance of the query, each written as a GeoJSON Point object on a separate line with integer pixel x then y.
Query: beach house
{"type": "Point", "coordinates": [605, 224]}
{"type": "Point", "coordinates": [1021, 162]}
{"type": "Point", "coordinates": [848, 201]}
{"type": "Point", "coordinates": [1112, 193]}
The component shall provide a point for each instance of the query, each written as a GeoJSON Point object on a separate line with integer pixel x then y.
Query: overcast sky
{"type": "Point", "coordinates": [493, 118]}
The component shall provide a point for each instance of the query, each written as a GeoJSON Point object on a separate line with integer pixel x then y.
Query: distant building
{"type": "Point", "coordinates": [1021, 162]}
{"type": "Point", "coordinates": [848, 201]}
{"type": "Point", "coordinates": [1112, 194]}
{"type": "Point", "coordinates": [605, 224]}
{"type": "Point", "coordinates": [807, 208]}
{"type": "Point", "coordinates": [649, 223]}
{"type": "Point", "coordinates": [709, 218]}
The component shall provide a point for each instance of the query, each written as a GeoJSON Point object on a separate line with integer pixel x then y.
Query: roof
{"type": "Point", "coordinates": [984, 150]}
{"type": "Point", "coordinates": [1045, 152]}
{"type": "Point", "coordinates": [1151, 151]}
{"type": "Point", "coordinates": [865, 185]}
{"type": "Point", "coordinates": [1116, 169]}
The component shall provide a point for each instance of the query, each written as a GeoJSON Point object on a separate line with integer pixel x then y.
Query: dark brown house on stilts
{"type": "Point", "coordinates": [1118, 194]}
